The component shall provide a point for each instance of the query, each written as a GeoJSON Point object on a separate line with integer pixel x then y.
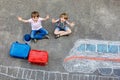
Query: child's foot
{"type": "Point", "coordinates": [46, 37]}
{"type": "Point", "coordinates": [35, 40]}
{"type": "Point", "coordinates": [67, 35]}
{"type": "Point", "coordinates": [57, 36]}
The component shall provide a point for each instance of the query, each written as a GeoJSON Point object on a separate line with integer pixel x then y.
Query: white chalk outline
{"type": "Point", "coordinates": [49, 72]}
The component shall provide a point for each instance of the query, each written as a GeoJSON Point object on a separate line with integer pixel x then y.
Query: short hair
{"type": "Point", "coordinates": [35, 14]}
{"type": "Point", "coordinates": [65, 15]}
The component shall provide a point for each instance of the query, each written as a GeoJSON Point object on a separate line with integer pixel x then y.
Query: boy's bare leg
{"type": "Point", "coordinates": [66, 32]}
{"type": "Point", "coordinates": [62, 33]}
{"type": "Point", "coordinates": [58, 32]}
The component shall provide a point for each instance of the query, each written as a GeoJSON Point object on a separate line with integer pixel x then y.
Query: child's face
{"type": "Point", "coordinates": [35, 18]}
{"type": "Point", "coordinates": [62, 19]}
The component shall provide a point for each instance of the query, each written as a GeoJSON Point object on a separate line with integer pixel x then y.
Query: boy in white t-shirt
{"type": "Point", "coordinates": [38, 32]}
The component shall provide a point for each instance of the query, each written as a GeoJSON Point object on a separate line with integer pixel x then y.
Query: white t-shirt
{"type": "Point", "coordinates": [36, 25]}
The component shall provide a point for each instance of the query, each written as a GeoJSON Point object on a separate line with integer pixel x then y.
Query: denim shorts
{"type": "Point", "coordinates": [62, 29]}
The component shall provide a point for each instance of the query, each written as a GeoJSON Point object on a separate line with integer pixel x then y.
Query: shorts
{"type": "Point", "coordinates": [62, 29]}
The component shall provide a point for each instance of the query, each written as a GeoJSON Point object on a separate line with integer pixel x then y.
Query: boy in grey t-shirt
{"type": "Point", "coordinates": [61, 27]}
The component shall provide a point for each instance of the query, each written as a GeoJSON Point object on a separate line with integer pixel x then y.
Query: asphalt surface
{"type": "Point", "coordinates": [94, 19]}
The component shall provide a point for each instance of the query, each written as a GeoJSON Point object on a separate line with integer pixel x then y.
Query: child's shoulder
{"type": "Point", "coordinates": [40, 18]}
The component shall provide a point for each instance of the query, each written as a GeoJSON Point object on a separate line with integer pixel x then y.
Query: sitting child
{"type": "Point", "coordinates": [61, 28]}
{"type": "Point", "coordinates": [38, 32]}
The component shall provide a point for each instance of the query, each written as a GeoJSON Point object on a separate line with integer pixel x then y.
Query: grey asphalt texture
{"type": "Point", "coordinates": [94, 19]}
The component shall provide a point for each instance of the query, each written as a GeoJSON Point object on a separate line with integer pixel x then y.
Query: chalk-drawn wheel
{"type": "Point", "coordinates": [80, 65]}
{"type": "Point", "coordinates": [105, 71]}
{"type": "Point", "coordinates": [116, 71]}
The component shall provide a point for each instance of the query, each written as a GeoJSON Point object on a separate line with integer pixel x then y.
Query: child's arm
{"type": "Point", "coordinates": [71, 24]}
{"type": "Point", "coordinates": [54, 21]}
{"type": "Point", "coordinates": [46, 18]}
{"type": "Point", "coordinates": [20, 19]}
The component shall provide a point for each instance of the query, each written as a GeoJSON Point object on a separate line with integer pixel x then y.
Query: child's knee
{"type": "Point", "coordinates": [46, 32]}
{"type": "Point", "coordinates": [32, 36]}
{"type": "Point", "coordinates": [55, 32]}
{"type": "Point", "coordinates": [69, 31]}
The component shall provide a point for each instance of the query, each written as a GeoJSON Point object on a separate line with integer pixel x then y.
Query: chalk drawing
{"type": "Point", "coordinates": [87, 56]}
{"type": "Point", "coordinates": [36, 74]}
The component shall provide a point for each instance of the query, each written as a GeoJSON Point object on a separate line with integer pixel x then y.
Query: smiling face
{"type": "Point", "coordinates": [35, 16]}
{"type": "Point", "coordinates": [63, 17]}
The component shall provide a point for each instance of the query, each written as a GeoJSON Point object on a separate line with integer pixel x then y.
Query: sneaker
{"type": "Point", "coordinates": [57, 36]}
{"type": "Point", "coordinates": [46, 37]}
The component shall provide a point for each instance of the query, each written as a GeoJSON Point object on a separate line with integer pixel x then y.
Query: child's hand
{"type": "Point", "coordinates": [72, 24]}
{"type": "Point", "coordinates": [47, 17]}
{"type": "Point", "coordinates": [19, 18]}
{"type": "Point", "coordinates": [53, 20]}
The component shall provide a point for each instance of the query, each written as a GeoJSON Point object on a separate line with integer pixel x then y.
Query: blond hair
{"type": "Point", "coordinates": [64, 15]}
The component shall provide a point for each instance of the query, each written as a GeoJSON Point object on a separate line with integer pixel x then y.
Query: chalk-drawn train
{"type": "Point", "coordinates": [87, 56]}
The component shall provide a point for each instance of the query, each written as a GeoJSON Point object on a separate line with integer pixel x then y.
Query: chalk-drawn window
{"type": "Point", "coordinates": [119, 49]}
{"type": "Point", "coordinates": [116, 72]}
{"type": "Point", "coordinates": [90, 47]}
{"type": "Point", "coordinates": [105, 71]}
{"type": "Point", "coordinates": [102, 48]}
{"type": "Point", "coordinates": [81, 48]}
{"type": "Point", "coordinates": [112, 49]}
